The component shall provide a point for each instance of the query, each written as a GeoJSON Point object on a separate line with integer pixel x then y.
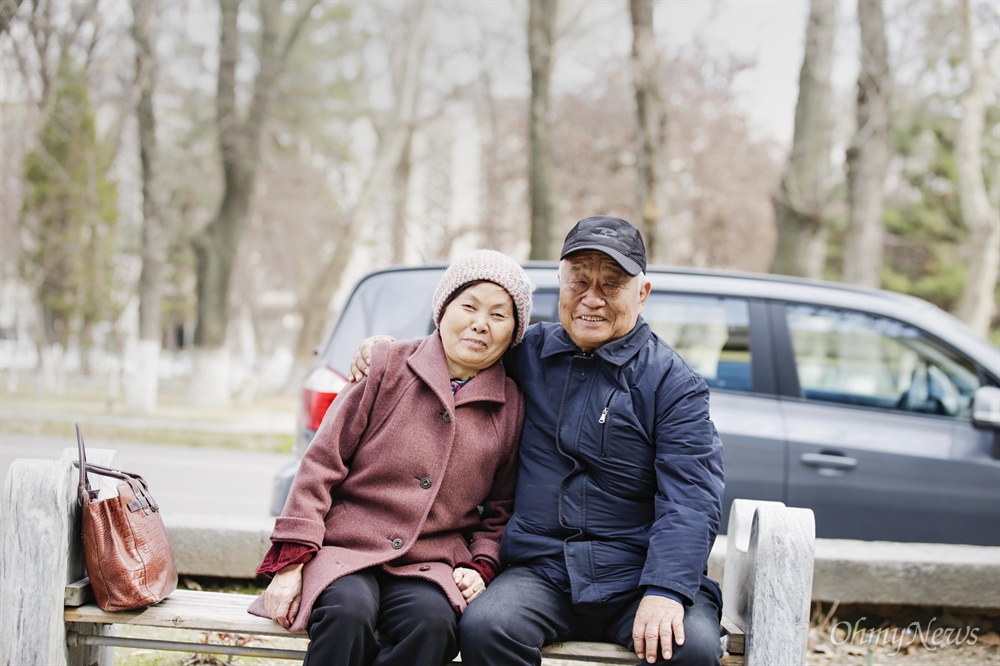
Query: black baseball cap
{"type": "Point", "coordinates": [611, 235]}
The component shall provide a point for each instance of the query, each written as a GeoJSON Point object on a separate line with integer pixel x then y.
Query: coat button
{"type": "Point", "coordinates": [425, 482]}
{"type": "Point", "coordinates": [425, 568]}
{"type": "Point", "coordinates": [397, 543]}
{"type": "Point", "coordinates": [446, 417]}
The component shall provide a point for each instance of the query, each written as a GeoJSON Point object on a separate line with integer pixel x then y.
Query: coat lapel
{"type": "Point", "coordinates": [429, 364]}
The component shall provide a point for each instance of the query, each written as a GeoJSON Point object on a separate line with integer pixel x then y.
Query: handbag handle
{"type": "Point", "coordinates": [84, 491]}
{"type": "Point", "coordinates": [138, 484]}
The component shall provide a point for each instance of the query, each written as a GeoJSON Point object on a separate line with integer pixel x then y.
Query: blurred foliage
{"type": "Point", "coordinates": [923, 222]}
{"type": "Point", "coordinates": [921, 211]}
{"type": "Point", "coordinates": [70, 215]}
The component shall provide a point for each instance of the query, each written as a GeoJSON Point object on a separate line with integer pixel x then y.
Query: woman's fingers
{"type": "Point", "coordinates": [283, 594]}
{"type": "Point", "coordinates": [469, 582]}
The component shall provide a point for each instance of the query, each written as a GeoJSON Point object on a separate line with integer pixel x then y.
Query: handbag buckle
{"type": "Point", "coordinates": [143, 500]}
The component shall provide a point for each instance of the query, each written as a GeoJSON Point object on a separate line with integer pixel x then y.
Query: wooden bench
{"type": "Point", "coordinates": [48, 617]}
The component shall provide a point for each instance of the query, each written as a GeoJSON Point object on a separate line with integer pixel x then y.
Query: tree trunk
{"type": "Point", "coordinates": [239, 149]}
{"type": "Point", "coordinates": [978, 305]}
{"type": "Point", "coordinates": [391, 147]}
{"type": "Point", "coordinates": [652, 141]}
{"type": "Point", "coordinates": [142, 394]}
{"type": "Point", "coordinates": [868, 156]}
{"type": "Point", "coordinates": [801, 201]}
{"type": "Point", "coordinates": [541, 35]}
{"type": "Point", "coordinates": [400, 213]}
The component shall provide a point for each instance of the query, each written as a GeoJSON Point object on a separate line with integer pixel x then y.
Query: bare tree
{"type": "Point", "coordinates": [802, 198]}
{"type": "Point", "coordinates": [868, 156]}
{"type": "Point", "coordinates": [52, 34]}
{"type": "Point", "coordinates": [541, 38]}
{"type": "Point", "coordinates": [390, 150]}
{"type": "Point", "coordinates": [652, 117]}
{"type": "Point", "coordinates": [978, 304]}
{"type": "Point", "coordinates": [7, 10]}
{"type": "Point", "coordinates": [728, 201]}
{"type": "Point", "coordinates": [400, 213]}
{"type": "Point", "coordinates": [239, 149]}
{"type": "Point", "coordinates": [52, 46]}
{"type": "Point", "coordinates": [142, 396]}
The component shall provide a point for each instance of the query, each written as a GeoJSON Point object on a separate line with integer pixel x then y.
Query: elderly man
{"type": "Point", "coordinates": [619, 489]}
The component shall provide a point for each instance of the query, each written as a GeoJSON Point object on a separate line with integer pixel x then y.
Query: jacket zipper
{"type": "Point", "coordinates": [603, 422]}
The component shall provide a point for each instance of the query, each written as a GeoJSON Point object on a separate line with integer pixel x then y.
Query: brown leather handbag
{"type": "Point", "coordinates": [125, 546]}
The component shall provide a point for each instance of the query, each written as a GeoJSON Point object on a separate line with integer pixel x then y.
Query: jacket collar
{"type": "Point", "coordinates": [617, 352]}
{"type": "Point", "coordinates": [429, 363]}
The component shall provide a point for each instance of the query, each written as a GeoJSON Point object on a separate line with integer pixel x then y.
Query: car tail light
{"type": "Point", "coordinates": [318, 391]}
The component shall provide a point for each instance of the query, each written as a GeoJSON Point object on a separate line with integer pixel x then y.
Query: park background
{"type": "Point", "coordinates": [190, 188]}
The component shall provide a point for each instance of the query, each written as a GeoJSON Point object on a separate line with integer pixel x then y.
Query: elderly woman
{"type": "Point", "coordinates": [382, 530]}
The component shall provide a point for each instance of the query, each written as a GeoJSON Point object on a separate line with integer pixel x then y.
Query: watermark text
{"type": "Point", "coordinates": [928, 636]}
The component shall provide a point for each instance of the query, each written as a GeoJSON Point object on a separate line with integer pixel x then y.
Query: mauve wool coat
{"type": "Point", "coordinates": [397, 470]}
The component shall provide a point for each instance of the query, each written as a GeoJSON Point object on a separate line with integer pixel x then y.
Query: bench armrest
{"type": "Point", "coordinates": [767, 585]}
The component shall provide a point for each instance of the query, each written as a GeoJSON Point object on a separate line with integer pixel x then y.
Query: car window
{"type": "Point", "coordinates": [863, 359]}
{"type": "Point", "coordinates": [711, 333]}
{"type": "Point", "coordinates": [391, 303]}
{"type": "Point", "coordinates": [544, 305]}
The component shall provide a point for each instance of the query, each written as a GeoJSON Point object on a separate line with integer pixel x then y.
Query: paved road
{"type": "Point", "coordinates": [182, 479]}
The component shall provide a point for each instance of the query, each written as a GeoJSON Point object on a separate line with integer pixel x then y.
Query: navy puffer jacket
{"type": "Point", "coordinates": [620, 478]}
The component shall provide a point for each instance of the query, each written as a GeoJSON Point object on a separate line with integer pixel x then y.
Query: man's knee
{"type": "Point", "coordinates": [492, 621]}
{"type": "Point", "coordinates": [477, 622]}
{"type": "Point", "coordinates": [699, 649]}
{"type": "Point", "coordinates": [702, 645]}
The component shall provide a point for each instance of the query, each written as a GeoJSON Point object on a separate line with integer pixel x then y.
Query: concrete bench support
{"type": "Point", "coordinates": [768, 580]}
{"type": "Point", "coordinates": [41, 554]}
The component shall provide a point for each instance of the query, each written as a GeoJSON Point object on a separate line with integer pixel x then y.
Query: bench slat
{"type": "Point", "coordinates": [606, 653]}
{"type": "Point", "coordinates": [188, 609]}
{"type": "Point", "coordinates": [737, 640]}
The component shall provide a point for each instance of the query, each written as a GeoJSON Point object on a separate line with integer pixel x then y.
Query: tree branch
{"type": "Point", "coordinates": [22, 66]}
{"type": "Point", "coordinates": [273, 58]}
{"type": "Point", "coordinates": [7, 10]}
{"type": "Point", "coordinates": [225, 99]}
{"type": "Point", "coordinates": [296, 30]}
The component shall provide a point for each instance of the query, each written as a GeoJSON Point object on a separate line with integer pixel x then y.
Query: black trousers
{"type": "Point", "coordinates": [521, 611]}
{"type": "Point", "coordinates": [415, 623]}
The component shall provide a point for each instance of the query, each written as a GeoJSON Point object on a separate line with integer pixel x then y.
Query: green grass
{"type": "Point", "coordinates": [105, 417]}
{"type": "Point", "coordinates": [267, 442]}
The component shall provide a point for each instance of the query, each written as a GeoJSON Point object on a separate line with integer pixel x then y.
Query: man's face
{"type": "Point", "coordinates": [598, 301]}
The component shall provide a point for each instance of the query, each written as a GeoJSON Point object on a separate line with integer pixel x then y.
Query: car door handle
{"type": "Point", "coordinates": [828, 461]}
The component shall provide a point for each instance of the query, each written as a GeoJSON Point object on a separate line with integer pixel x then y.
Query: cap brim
{"type": "Point", "coordinates": [628, 265]}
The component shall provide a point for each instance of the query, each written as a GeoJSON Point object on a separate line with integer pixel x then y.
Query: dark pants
{"type": "Point", "coordinates": [520, 612]}
{"type": "Point", "coordinates": [415, 621]}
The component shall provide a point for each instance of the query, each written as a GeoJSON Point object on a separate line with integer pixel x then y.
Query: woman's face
{"type": "Point", "coordinates": [476, 328]}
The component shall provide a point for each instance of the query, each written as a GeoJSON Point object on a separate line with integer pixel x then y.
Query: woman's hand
{"type": "Point", "coordinates": [469, 582]}
{"type": "Point", "coordinates": [283, 595]}
{"type": "Point", "coordinates": [362, 359]}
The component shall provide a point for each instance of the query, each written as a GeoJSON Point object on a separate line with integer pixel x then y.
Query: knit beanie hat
{"type": "Point", "coordinates": [491, 266]}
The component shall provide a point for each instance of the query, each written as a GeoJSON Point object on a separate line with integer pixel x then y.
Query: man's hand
{"type": "Point", "coordinates": [658, 622]}
{"type": "Point", "coordinates": [469, 582]}
{"type": "Point", "coordinates": [362, 360]}
{"type": "Point", "coordinates": [283, 595]}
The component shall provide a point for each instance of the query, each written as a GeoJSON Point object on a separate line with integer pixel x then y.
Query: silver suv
{"type": "Point", "coordinates": [878, 411]}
